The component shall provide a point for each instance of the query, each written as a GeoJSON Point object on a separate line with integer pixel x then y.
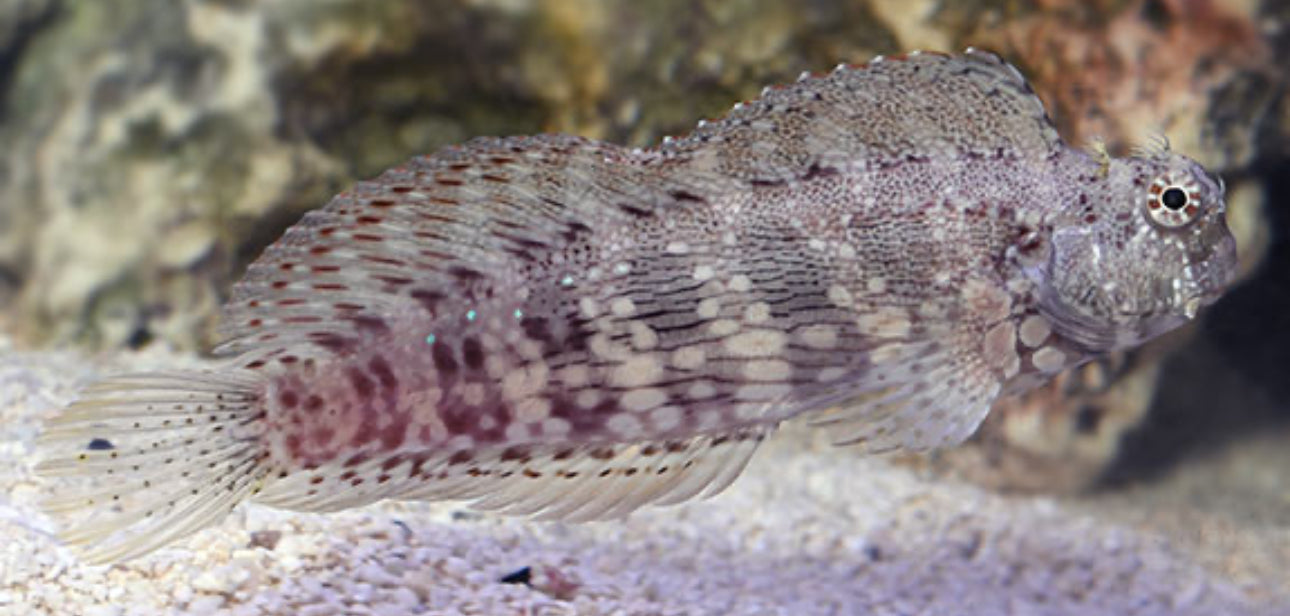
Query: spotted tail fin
{"type": "Point", "coordinates": [142, 460]}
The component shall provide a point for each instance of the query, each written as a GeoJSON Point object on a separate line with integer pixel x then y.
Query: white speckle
{"type": "Point", "coordinates": [587, 398]}
{"type": "Point", "coordinates": [529, 349]}
{"type": "Point", "coordinates": [533, 409]}
{"type": "Point", "coordinates": [601, 346]}
{"type": "Point", "coordinates": [575, 375]}
{"type": "Point", "coordinates": [677, 248]}
{"type": "Point", "coordinates": [830, 374]}
{"type": "Point", "coordinates": [885, 322]}
{"type": "Point", "coordinates": [1000, 348]}
{"type": "Point", "coordinates": [757, 312]}
{"type": "Point", "coordinates": [517, 432]}
{"type": "Point", "coordinates": [472, 394]}
{"type": "Point", "coordinates": [876, 285]}
{"type": "Point", "coordinates": [637, 371]}
{"type": "Point", "coordinates": [756, 343]}
{"type": "Point", "coordinates": [816, 244]}
{"type": "Point", "coordinates": [623, 307]}
{"type": "Point", "coordinates": [625, 425]}
{"type": "Point", "coordinates": [840, 296]}
{"type": "Point", "coordinates": [1048, 359]}
{"type": "Point", "coordinates": [666, 417]}
{"type": "Point", "coordinates": [767, 370]}
{"type": "Point", "coordinates": [638, 400]}
{"type": "Point", "coordinates": [820, 336]}
{"type": "Point", "coordinates": [740, 283]}
{"type": "Point", "coordinates": [992, 303]}
{"type": "Point", "coordinates": [703, 273]}
{"type": "Point", "coordinates": [589, 307]}
{"type": "Point", "coordinates": [763, 392]}
{"type": "Point", "coordinates": [709, 419]}
{"type": "Point", "coordinates": [709, 308]}
{"type": "Point", "coordinates": [689, 357]}
{"type": "Point", "coordinates": [729, 238]}
{"type": "Point", "coordinates": [644, 337]}
{"type": "Point", "coordinates": [1034, 330]}
{"type": "Point", "coordinates": [525, 381]}
{"type": "Point", "coordinates": [622, 268]}
{"type": "Point", "coordinates": [723, 327]}
{"type": "Point", "coordinates": [700, 390]}
{"type": "Point", "coordinates": [567, 281]}
{"type": "Point", "coordinates": [555, 426]}
{"type": "Point", "coordinates": [846, 251]}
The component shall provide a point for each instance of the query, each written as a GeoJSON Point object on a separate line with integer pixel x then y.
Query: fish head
{"type": "Point", "coordinates": [1142, 254]}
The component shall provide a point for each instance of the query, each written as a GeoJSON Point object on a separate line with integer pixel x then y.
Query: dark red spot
{"type": "Point", "coordinates": [279, 284]}
{"type": "Point", "coordinates": [381, 203]}
{"type": "Point", "coordinates": [313, 404]}
{"type": "Point", "coordinates": [461, 457]}
{"type": "Point", "coordinates": [291, 301]}
{"type": "Point", "coordinates": [448, 181]}
{"type": "Point", "coordinates": [444, 201]}
{"type": "Point", "coordinates": [325, 269]}
{"type": "Point", "coordinates": [367, 237]}
{"type": "Point", "coordinates": [316, 479]}
{"type": "Point", "coordinates": [428, 299]}
{"type": "Point", "coordinates": [332, 342]}
{"type": "Point", "coordinates": [357, 459]}
{"type": "Point", "coordinates": [288, 398]}
{"type": "Point", "coordinates": [512, 454]}
{"type": "Point", "coordinates": [392, 436]}
{"type": "Point", "coordinates": [391, 463]}
{"type": "Point", "coordinates": [400, 190]}
{"type": "Point", "coordinates": [472, 353]}
{"type": "Point", "coordinates": [443, 358]}
{"type": "Point", "coordinates": [465, 274]}
{"type": "Point", "coordinates": [369, 323]}
{"type": "Point", "coordinates": [321, 437]}
{"type": "Point", "coordinates": [259, 363]}
{"type": "Point", "coordinates": [362, 384]}
{"type": "Point", "coordinates": [254, 323]}
{"type": "Point", "coordinates": [302, 318]}
{"type": "Point", "coordinates": [381, 370]}
{"type": "Point", "coordinates": [494, 178]}
{"type": "Point", "coordinates": [394, 280]}
{"type": "Point", "coordinates": [326, 231]}
{"type": "Point", "coordinates": [380, 259]}
{"type": "Point", "coordinates": [329, 286]}
{"type": "Point", "coordinates": [288, 359]}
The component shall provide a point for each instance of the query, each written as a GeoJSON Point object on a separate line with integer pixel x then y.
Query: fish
{"type": "Point", "coordinates": [567, 329]}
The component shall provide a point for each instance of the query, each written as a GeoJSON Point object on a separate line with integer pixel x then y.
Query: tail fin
{"type": "Point", "coordinates": [143, 460]}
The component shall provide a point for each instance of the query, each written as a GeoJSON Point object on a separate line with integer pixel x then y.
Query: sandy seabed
{"type": "Point", "coordinates": [809, 529]}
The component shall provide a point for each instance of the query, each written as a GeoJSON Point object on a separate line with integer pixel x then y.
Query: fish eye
{"type": "Point", "coordinates": [1173, 202]}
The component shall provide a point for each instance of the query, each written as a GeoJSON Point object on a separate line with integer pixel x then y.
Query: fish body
{"type": "Point", "coordinates": [566, 328]}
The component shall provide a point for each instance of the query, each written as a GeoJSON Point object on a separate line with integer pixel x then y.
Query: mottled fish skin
{"type": "Point", "coordinates": [556, 326]}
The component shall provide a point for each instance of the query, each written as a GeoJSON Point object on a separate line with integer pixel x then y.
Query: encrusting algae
{"type": "Point", "coordinates": [569, 329]}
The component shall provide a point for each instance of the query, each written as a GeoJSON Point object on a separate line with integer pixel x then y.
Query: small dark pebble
{"type": "Point", "coordinates": [267, 539]}
{"type": "Point", "coordinates": [522, 576]}
{"type": "Point", "coordinates": [100, 444]}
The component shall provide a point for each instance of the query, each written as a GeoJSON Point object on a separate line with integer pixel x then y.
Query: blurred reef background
{"type": "Point", "coordinates": [152, 148]}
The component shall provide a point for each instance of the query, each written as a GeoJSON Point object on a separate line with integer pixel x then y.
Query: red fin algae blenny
{"type": "Point", "coordinates": [569, 329]}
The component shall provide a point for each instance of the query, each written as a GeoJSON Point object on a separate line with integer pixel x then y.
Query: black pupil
{"type": "Point", "coordinates": [1174, 198]}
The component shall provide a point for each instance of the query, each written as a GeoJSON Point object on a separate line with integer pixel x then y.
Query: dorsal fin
{"type": "Point", "coordinates": [921, 105]}
{"type": "Point", "coordinates": [435, 231]}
